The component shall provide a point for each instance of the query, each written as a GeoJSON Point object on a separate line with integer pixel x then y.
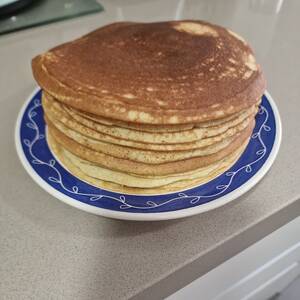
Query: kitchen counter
{"type": "Point", "coordinates": [49, 250]}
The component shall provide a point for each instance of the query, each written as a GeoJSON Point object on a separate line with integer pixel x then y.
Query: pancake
{"type": "Point", "coordinates": [165, 128]}
{"type": "Point", "coordinates": [129, 183]}
{"type": "Point", "coordinates": [49, 101]}
{"type": "Point", "coordinates": [57, 116]}
{"type": "Point", "coordinates": [139, 155]}
{"type": "Point", "coordinates": [184, 136]}
{"type": "Point", "coordinates": [176, 72]}
{"type": "Point", "coordinates": [110, 141]}
{"type": "Point", "coordinates": [129, 166]}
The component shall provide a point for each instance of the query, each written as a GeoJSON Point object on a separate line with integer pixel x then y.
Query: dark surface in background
{"type": "Point", "coordinates": [41, 12]}
{"type": "Point", "coordinates": [13, 7]}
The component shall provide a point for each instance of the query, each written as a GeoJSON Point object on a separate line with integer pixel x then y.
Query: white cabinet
{"type": "Point", "coordinates": [258, 272]}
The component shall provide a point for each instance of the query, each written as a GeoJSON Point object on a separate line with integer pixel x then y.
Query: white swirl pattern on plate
{"type": "Point", "coordinates": [124, 204]}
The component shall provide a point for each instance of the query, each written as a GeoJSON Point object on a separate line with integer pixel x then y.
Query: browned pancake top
{"type": "Point", "coordinates": [161, 73]}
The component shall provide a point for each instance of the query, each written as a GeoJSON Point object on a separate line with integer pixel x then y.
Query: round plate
{"type": "Point", "coordinates": [52, 176]}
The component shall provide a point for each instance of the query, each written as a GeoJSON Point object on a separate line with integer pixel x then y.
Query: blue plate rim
{"type": "Point", "coordinates": [156, 216]}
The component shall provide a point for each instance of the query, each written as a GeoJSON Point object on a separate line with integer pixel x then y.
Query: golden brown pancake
{"type": "Point", "coordinates": [134, 167]}
{"type": "Point", "coordinates": [177, 72]}
{"type": "Point", "coordinates": [59, 116]}
{"type": "Point", "coordinates": [54, 109]}
{"type": "Point", "coordinates": [49, 101]}
{"type": "Point", "coordinates": [139, 155]}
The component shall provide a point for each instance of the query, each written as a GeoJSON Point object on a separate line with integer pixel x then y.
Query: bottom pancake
{"type": "Point", "coordinates": [135, 184]}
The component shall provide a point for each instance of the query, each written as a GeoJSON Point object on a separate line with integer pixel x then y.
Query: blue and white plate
{"type": "Point", "coordinates": [51, 175]}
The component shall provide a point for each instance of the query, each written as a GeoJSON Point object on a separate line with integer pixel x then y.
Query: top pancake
{"type": "Point", "coordinates": [178, 72]}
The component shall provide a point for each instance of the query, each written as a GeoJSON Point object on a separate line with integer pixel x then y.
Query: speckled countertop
{"type": "Point", "coordinates": [49, 250]}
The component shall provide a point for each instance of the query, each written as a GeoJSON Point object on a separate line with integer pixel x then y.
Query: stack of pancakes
{"type": "Point", "coordinates": [150, 108]}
